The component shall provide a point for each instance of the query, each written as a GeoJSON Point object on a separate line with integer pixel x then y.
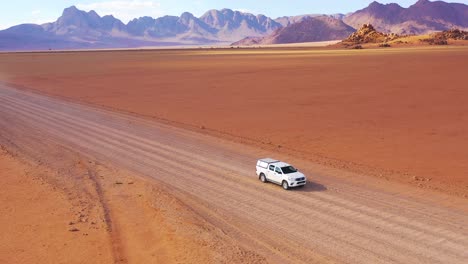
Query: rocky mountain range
{"type": "Point", "coordinates": [80, 29]}
{"type": "Point", "coordinates": [77, 29]}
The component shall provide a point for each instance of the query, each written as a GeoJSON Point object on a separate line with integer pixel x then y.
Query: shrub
{"type": "Point", "coordinates": [384, 45]}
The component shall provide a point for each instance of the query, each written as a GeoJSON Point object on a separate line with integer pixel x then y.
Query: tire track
{"type": "Point", "coordinates": [118, 248]}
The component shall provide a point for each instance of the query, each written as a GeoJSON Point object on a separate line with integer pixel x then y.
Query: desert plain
{"type": "Point", "coordinates": [391, 121]}
{"type": "Point", "coordinates": [397, 113]}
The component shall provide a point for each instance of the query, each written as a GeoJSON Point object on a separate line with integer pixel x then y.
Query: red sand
{"type": "Point", "coordinates": [401, 113]}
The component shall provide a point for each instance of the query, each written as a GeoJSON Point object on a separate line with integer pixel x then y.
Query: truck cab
{"type": "Point", "coordinates": [281, 173]}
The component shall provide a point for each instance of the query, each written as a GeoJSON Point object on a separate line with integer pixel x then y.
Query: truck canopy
{"type": "Point", "coordinates": [268, 160]}
{"type": "Point", "coordinates": [264, 162]}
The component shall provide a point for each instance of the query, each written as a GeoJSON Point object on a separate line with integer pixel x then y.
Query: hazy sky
{"type": "Point", "coordinates": [33, 11]}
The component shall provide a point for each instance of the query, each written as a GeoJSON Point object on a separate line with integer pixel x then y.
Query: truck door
{"type": "Point", "coordinates": [278, 175]}
{"type": "Point", "coordinates": [271, 172]}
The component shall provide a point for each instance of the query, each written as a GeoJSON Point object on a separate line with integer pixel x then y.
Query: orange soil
{"type": "Point", "coordinates": [129, 220]}
{"type": "Point", "coordinates": [401, 113]}
{"type": "Point", "coordinates": [35, 217]}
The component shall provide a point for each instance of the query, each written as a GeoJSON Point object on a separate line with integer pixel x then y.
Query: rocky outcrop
{"type": "Point", "coordinates": [368, 34]}
{"type": "Point", "coordinates": [442, 38]}
{"type": "Point", "coordinates": [452, 34]}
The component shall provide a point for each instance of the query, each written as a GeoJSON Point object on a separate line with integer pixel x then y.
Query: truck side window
{"type": "Point", "coordinates": [278, 170]}
{"type": "Point", "coordinates": [272, 167]}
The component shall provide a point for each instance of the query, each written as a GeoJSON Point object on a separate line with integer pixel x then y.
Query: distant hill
{"type": "Point", "coordinates": [75, 29]}
{"type": "Point", "coordinates": [74, 22]}
{"type": "Point", "coordinates": [309, 29]}
{"type": "Point", "coordinates": [421, 18]}
{"type": "Point", "coordinates": [30, 37]}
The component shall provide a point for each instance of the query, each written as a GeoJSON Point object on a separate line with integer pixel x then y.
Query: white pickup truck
{"type": "Point", "coordinates": [281, 173]}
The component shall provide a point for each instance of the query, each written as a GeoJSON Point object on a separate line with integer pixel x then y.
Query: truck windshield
{"type": "Point", "coordinates": [288, 169]}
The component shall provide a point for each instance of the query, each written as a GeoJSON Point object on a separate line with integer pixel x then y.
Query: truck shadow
{"type": "Point", "coordinates": [311, 187]}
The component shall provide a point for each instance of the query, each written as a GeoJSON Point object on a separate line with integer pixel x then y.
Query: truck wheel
{"type": "Point", "coordinates": [262, 177]}
{"type": "Point", "coordinates": [285, 185]}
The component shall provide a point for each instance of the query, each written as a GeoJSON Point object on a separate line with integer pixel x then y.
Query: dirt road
{"type": "Point", "coordinates": [330, 220]}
